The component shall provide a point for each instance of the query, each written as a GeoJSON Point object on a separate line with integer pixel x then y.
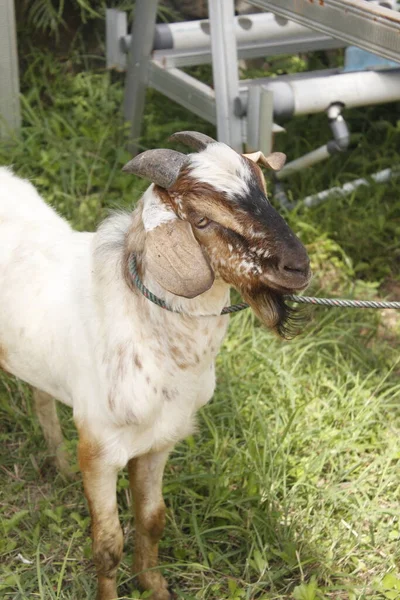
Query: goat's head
{"type": "Point", "coordinates": [208, 216]}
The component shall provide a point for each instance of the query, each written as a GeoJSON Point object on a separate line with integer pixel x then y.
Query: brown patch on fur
{"type": "Point", "coordinates": [184, 358]}
{"type": "Point", "coordinates": [155, 525]}
{"type": "Point", "coordinates": [107, 549]}
{"type": "Point", "coordinates": [111, 398]}
{"type": "Point", "coordinates": [89, 449]}
{"type": "Point", "coordinates": [137, 362]}
{"type": "Point", "coordinates": [166, 393]}
{"type": "Point", "coordinates": [147, 379]}
{"type": "Point", "coordinates": [183, 366]}
{"type": "Point", "coordinates": [130, 416]}
{"type": "Point", "coordinates": [121, 360]}
{"type": "Point", "coordinates": [179, 357]}
{"type": "Point", "coordinates": [176, 352]}
{"type": "Point", "coordinates": [201, 197]}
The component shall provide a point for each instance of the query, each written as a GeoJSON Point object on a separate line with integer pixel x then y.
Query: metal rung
{"type": "Point", "coordinates": [185, 90]}
{"type": "Point", "coordinates": [200, 56]}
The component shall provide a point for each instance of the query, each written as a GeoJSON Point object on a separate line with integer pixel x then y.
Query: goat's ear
{"type": "Point", "coordinates": [274, 161]}
{"type": "Point", "coordinates": [175, 259]}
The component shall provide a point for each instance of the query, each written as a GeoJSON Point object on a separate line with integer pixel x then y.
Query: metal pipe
{"type": "Point", "coordinates": [348, 188]}
{"type": "Point", "coordinates": [339, 128]}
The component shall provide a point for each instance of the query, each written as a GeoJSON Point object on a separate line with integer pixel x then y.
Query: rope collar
{"type": "Point", "coordinates": [156, 300]}
{"type": "Point", "coordinates": [234, 308]}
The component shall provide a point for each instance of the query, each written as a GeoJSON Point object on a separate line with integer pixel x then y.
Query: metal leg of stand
{"type": "Point", "coordinates": [260, 119]}
{"type": "Point", "coordinates": [138, 65]}
{"type": "Point", "coordinates": [225, 71]}
{"type": "Point", "coordinates": [10, 118]}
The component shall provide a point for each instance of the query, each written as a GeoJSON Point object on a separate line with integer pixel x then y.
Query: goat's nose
{"type": "Point", "coordinates": [295, 264]}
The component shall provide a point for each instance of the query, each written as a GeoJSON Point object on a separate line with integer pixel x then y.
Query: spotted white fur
{"type": "Point", "coordinates": [69, 286]}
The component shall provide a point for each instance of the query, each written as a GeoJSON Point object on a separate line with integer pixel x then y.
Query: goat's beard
{"type": "Point", "coordinates": [273, 311]}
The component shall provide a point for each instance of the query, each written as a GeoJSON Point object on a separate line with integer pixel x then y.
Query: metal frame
{"type": "Point", "coordinates": [10, 118]}
{"type": "Point", "coordinates": [116, 28]}
{"type": "Point", "coordinates": [138, 65]}
{"type": "Point", "coordinates": [225, 71]}
{"type": "Point", "coordinates": [358, 22]}
{"type": "Point", "coordinates": [273, 37]}
{"type": "Point", "coordinates": [243, 110]}
{"type": "Point", "coordinates": [200, 56]}
{"type": "Point", "coordinates": [184, 89]}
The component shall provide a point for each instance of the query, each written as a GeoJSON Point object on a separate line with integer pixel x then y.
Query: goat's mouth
{"type": "Point", "coordinates": [274, 312]}
{"type": "Point", "coordinates": [287, 281]}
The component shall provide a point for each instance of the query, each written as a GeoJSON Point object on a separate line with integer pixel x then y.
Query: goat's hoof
{"type": "Point", "coordinates": [161, 595]}
{"type": "Point", "coordinates": [157, 584]}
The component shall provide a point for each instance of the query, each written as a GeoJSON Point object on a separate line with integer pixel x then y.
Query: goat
{"type": "Point", "coordinates": [74, 326]}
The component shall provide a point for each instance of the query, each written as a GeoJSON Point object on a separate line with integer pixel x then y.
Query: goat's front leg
{"type": "Point", "coordinates": [100, 484]}
{"type": "Point", "coordinates": [145, 477]}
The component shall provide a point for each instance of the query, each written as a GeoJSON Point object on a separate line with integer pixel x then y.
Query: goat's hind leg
{"type": "Point", "coordinates": [45, 407]}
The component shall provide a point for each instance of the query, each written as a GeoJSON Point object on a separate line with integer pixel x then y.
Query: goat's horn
{"type": "Point", "coordinates": [193, 139]}
{"type": "Point", "coordinates": [160, 166]}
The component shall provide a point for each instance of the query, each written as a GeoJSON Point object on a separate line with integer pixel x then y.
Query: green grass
{"type": "Point", "coordinates": [290, 489]}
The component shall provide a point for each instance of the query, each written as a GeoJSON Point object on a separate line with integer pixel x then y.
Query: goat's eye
{"type": "Point", "coordinates": [202, 222]}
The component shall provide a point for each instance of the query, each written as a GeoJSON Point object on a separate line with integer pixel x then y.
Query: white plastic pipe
{"type": "Point", "coordinates": [353, 89]}
{"type": "Point", "coordinates": [248, 29]}
{"type": "Point", "coordinates": [315, 94]}
{"type": "Point", "coordinates": [309, 159]}
{"type": "Point", "coordinates": [348, 188]}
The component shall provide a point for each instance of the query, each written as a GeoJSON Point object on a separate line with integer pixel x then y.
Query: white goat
{"type": "Point", "coordinates": [74, 326]}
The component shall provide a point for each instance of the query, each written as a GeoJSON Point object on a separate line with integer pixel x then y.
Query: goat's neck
{"type": "Point", "coordinates": [189, 341]}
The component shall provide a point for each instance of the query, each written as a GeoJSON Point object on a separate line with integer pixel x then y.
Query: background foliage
{"type": "Point", "coordinates": [291, 487]}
